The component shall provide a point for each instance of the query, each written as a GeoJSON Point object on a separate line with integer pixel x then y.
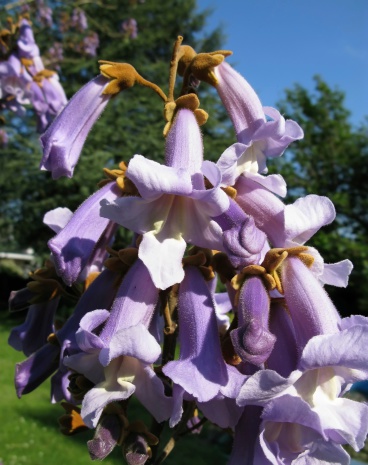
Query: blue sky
{"type": "Point", "coordinates": [277, 43]}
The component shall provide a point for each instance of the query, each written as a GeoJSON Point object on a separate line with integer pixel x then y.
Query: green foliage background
{"type": "Point", "coordinates": [332, 160]}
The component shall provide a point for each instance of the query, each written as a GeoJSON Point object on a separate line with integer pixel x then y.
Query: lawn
{"type": "Point", "coordinates": [29, 433]}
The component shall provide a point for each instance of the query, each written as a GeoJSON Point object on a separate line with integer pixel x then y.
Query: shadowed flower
{"type": "Point", "coordinates": [73, 247]}
{"type": "Point", "coordinates": [201, 370]}
{"type": "Point", "coordinates": [304, 415]}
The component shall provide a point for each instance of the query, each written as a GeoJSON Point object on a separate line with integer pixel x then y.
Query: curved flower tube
{"type": "Point", "coordinates": [252, 339]}
{"type": "Point", "coordinates": [41, 364]}
{"type": "Point", "coordinates": [63, 141]}
{"type": "Point", "coordinates": [258, 138]}
{"type": "Point", "coordinates": [33, 333]}
{"type": "Point", "coordinates": [201, 370]}
{"type": "Point", "coordinates": [73, 246]}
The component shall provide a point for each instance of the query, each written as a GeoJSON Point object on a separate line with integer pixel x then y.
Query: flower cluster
{"type": "Point", "coordinates": [269, 357]}
{"type": "Point", "coordinates": [23, 78]}
{"type": "Point", "coordinates": [129, 28]}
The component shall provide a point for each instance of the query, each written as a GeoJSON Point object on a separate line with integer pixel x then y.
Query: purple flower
{"type": "Point", "coordinates": [63, 141]}
{"type": "Point", "coordinates": [242, 240]}
{"type": "Point", "coordinates": [33, 333]}
{"type": "Point", "coordinates": [201, 370]}
{"type": "Point", "coordinates": [77, 244]}
{"type": "Point", "coordinates": [311, 310]}
{"type": "Point", "coordinates": [119, 359]}
{"type": "Point", "coordinates": [252, 340]}
{"type": "Point", "coordinates": [174, 207]}
{"type": "Point", "coordinates": [48, 99]}
{"type": "Point", "coordinates": [78, 19]}
{"type": "Point", "coordinates": [258, 138]}
{"type": "Point", "coordinates": [45, 361]}
{"type": "Point", "coordinates": [130, 28]}
{"type": "Point", "coordinates": [27, 46]}
{"type": "Point", "coordinates": [91, 44]}
{"type": "Point", "coordinates": [304, 415]}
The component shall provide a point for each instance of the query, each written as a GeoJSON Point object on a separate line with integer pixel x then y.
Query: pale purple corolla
{"type": "Point", "coordinates": [48, 99]}
{"type": "Point", "coordinates": [311, 309]}
{"type": "Point", "coordinates": [258, 138]}
{"type": "Point", "coordinates": [252, 339]}
{"type": "Point", "coordinates": [27, 47]}
{"type": "Point", "coordinates": [14, 85]}
{"type": "Point", "coordinates": [292, 225]}
{"type": "Point", "coordinates": [119, 359]}
{"type": "Point", "coordinates": [174, 208]}
{"type": "Point", "coordinates": [243, 242]}
{"type": "Point", "coordinates": [77, 244]}
{"type": "Point", "coordinates": [304, 417]}
{"type": "Point", "coordinates": [201, 370]}
{"type": "Point", "coordinates": [63, 141]}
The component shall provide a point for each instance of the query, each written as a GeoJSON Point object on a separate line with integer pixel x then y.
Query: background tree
{"type": "Point", "coordinates": [332, 160]}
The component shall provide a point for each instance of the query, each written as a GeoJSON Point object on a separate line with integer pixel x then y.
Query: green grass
{"type": "Point", "coordinates": [29, 432]}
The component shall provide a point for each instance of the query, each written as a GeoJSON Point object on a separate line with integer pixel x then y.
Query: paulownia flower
{"type": "Point", "coordinates": [174, 208]}
{"type": "Point", "coordinates": [78, 244]}
{"type": "Point", "coordinates": [258, 138]}
{"type": "Point", "coordinates": [201, 370]}
{"type": "Point", "coordinates": [63, 141]}
{"type": "Point", "coordinates": [304, 417]}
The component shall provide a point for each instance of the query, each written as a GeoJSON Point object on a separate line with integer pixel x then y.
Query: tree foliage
{"type": "Point", "coordinates": [332, 160]}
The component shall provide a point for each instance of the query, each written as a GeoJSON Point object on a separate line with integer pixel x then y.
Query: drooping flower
{"type": "Point", "coordinates": [258, 138]}
{"type": "Point", "coordinates": [119, 359]}
{"type": "Point", "coordinates": [48, 98]}
{"type": "Point", "coordinates": [201, 370]}
{"type": "Point", "coordinates": [77, 244]}
{"type": "Point", "coordinates": [304, 415]}
{"type": "Point", "coordinates": [64, 139]}
{"type": "Point", "coordinates": [252, 339]}
{"type": "Point", "coordinates": [33, 333]}
{"type": "Point", "coordinates": [174, 208]}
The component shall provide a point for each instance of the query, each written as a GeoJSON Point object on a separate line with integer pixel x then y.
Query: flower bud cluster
{"type": "Point", "coordinates": [269, 357]}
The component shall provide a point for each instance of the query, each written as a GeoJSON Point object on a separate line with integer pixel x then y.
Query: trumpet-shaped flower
{"type": "Point", "coordinates": [174, 207]}
{"type": "Point", "coordinates": [201, 370]}
{"type": "Point", "coordinates": [304, 415]}
{"type": "Point", "coordinates": [119, 359]}
{"type": "Point", "coordinates": [258, 138]}
{"type": "Point", "coordinates": [63, 141]}
{"type": "Point", "coordinates": [75, 244]}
